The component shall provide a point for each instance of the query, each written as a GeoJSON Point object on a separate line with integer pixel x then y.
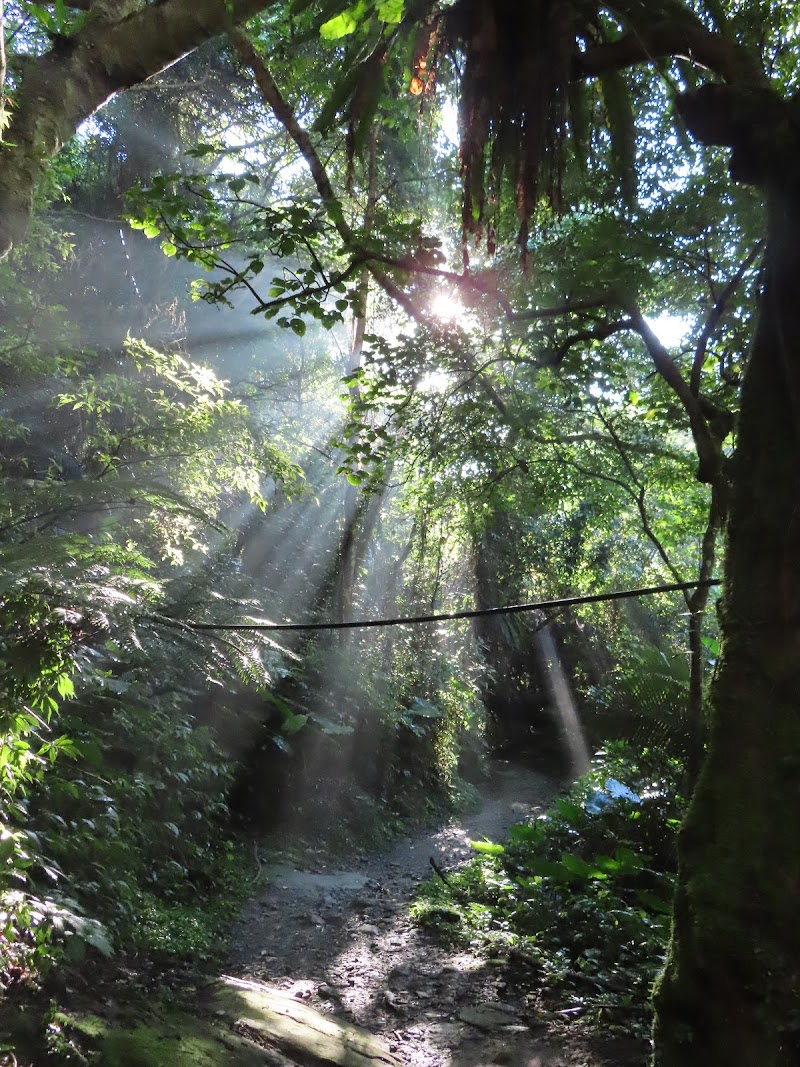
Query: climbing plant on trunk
{"type": "Point", "coordinates": [729, 993]}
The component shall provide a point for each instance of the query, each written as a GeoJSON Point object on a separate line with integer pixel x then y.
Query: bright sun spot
{"type": "Point", "coordinates": [446, 307]}
{"type": "Point", "coordinates": [670, 329]}
{"type": "Point", "coordinates": [449, 137]}
{"type": "Point", "coordinates": [435, 381]}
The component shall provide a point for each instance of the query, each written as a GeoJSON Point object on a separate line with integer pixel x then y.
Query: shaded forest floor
{"type": "Point", "coordinates": [341, 939]}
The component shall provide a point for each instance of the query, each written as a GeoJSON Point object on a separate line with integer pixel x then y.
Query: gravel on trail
{"type": "Point", "coordinates": [341, 939]}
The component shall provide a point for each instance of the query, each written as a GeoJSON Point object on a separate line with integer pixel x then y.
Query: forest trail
{"type": "Point", "coordinates": [342, 941]}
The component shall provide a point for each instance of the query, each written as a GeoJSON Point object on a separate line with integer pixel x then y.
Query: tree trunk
{"type": "Point", "coordinates": [350, 558]}
{"type": "Point", "coordinates": [697, 604]}
{"type": "Point", "coordinates": [63, 87]}
{"type": "Point", "coordinates": [730, 993]}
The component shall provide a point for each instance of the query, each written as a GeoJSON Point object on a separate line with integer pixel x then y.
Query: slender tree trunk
{"type": "Point", "coordinates": [348, 559]}
{"type": "Point", "coordinates": [697, 604]}
{"type": "Point", "coordinates": [730, 994]}
{"type": "Point", "coordinates": [2, 69]}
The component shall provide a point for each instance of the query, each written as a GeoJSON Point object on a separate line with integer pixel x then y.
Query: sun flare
{"type": "Point", "coordinates": [446, 307]}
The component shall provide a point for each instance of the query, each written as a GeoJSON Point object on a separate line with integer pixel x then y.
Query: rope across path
{"type": "Point", "coordinates": [413, 620]}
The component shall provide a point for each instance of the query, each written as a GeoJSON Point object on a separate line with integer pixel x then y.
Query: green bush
{"type": "Point", "coordinates": [581, 895]}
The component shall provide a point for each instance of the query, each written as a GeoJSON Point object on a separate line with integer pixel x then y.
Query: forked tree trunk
{"type": "Point", "coordinates": [730, 994]}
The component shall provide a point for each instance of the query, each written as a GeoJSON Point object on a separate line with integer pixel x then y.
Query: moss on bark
{"type": "Point", "coordinates": [63, 87]}
{"type": "Point", "coordinates": [730, 993]}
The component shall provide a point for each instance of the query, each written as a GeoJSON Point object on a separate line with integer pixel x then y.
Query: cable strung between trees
{"type": "Point", "coordinates": [413, 620]}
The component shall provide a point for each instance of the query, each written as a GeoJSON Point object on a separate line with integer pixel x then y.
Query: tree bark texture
{"type": "Point", "coordinates": [730, 993]}
{"type": "Point", "coordinates": [62, 88]}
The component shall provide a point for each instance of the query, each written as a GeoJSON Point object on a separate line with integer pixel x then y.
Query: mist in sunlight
{"type": "Point", "coordinates": [562, 703]}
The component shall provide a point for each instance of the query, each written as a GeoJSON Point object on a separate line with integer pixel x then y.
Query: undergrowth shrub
{"type": "Point", "coordinates": [582, 895]}
{"type": "Point", "coordinates": [135, 824]}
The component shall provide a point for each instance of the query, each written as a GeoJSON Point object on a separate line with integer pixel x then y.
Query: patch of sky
{"type": "Point", "coordinates": [671, 330]}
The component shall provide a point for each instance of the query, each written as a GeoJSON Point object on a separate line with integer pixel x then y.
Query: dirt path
{"type": "Point", "coordinates": [342, 940]}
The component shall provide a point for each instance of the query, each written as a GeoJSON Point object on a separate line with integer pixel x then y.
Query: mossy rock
{"type": "Point", "coordinates": [146, 1047]}
{"type": "Point", "coordinates": [169, 1040]}
{"type": "Point", "coordinates": [239, 1024]}
{"type": "Point", "coordinates": [282, 1022]}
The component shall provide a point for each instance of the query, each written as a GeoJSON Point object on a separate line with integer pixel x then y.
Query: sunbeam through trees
{"type": "Point", "coordinates": [401, 310]}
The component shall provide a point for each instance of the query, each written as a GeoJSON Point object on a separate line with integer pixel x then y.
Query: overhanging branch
{"type": "Point", "coordinates": [674, 37]}
{"type": "Point", "coordinates": [63, 87]}
{"type": "Point", "coordinates": [716, 315]}
{"type": "Point", "coordinates": [708, 450]}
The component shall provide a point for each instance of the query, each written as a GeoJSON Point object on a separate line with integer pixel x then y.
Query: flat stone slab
{"type": "Point", "coordinates": [486, 1016]}
{"type": "Point", "coordinates": [269, 1015]}
{"type": "Point", "coordinates": [283, 876]}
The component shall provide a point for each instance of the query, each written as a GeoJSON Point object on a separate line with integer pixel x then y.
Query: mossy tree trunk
{"type": "Point", "coordinates": [61, 88]}
{"type": "Point", "coordinates": [730, 993]}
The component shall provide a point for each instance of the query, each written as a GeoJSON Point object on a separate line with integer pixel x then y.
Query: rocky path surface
{"type": "Point", "coordinates": [341, 940]}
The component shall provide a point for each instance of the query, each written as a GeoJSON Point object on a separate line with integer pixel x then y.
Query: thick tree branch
{"type": "Point", "coordinates": [600, 333]}
{"type": "Point", "coordinates": [591, 303]}
{"type": "Point", "coordinates": [283, 112]}
{"type": "Point", "coordinates": [673, 37]}
{"type": "Point", "coordinates": [62, 88]}
{"type": "Point", "coordinates": [761, 128]}
{"type": "Point", "coordinates": [699, 411]}
{"type": "Point", "coordinates": [709, 453]}
{"type": "Point", "coordinates": [285, 115]}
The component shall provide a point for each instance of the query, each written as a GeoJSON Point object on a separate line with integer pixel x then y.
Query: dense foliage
{"type": "Point", "coordinates": [274, 346]}
{"type": "Point", "coordinates": [580, 899]}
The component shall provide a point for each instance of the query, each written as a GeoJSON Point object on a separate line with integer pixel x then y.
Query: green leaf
{"type": "Point", "coordinates": [424, 707]}
{"type": "Point", "coordinates": [293, 723]}
{"type": "Point", "coordinates": [8, 845]}
{"type": "Point", "coordinates": [168, 248]}
{"type": "Point", "coordinates": [653, 902]}
{"type": "Point", "coordinates": [201, 150]}
{"type": "Point", "coordinates": [298, 326]}
{"type": "Point", "coordinates": [711, 645]}
{"type": "Point", "coordinates": [487, 848]}
{"type": "Point", "coordinates": [537, 866]}
{"type": "Point", "coordinates": [391, 10]}
{"type": "Point", "coordinates": [339, 26]}
{"type": "Point", "coordinates": [352, 378]}
{"type": "Point", "coordinates": [95, 935]}
{"type": "Point", "coordinates": [523, 832]}
{"type": "Point", "coordinates": [65, 687]}
{"type": "Point", "coordinates": [331, 728]}
{"type": "Point", "coordinates": [571, 812]}
{"type": "Point", "coordinates": [575, 865]}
